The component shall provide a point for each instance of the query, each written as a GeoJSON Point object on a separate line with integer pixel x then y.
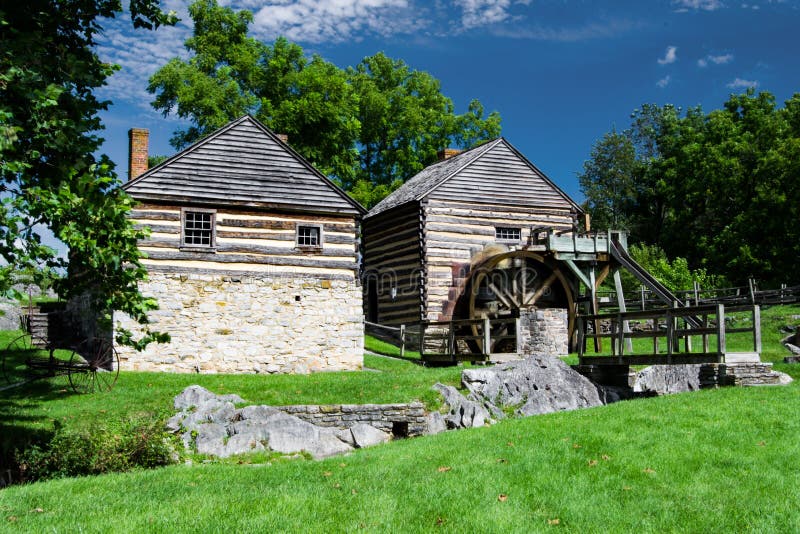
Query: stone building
{"type": "Point", "coordinates": [252, 255]}
{"type": "Point", "coordinates": [461, 239]}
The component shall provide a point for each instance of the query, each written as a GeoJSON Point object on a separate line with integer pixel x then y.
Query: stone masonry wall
{"type": "Point", "coordinates": [225, 324]}
{"type": "Point", "coordinates": [543, 331]}
{"type": "Point", "coordinates": [404, 420]}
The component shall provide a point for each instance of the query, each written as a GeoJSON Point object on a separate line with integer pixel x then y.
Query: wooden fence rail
{"type": "Point", "coordinates": [741, 295]}
{"type": "Point", "coordinates": [671, 333]}
{"type": "Point", "coordinates": [466, 339]}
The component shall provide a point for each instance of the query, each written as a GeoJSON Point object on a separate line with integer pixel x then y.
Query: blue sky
{"type": "Point", "coordinates": [560, 72]}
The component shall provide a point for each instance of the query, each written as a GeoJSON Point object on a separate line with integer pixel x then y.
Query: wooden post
{"type": "Point", "coordinates": [752, 286]}
{"type": "Point", "coordinates": [402, 340]}
{"type": "Point", "coordinates": [687, 343]}
{"type": "Point", "coordinates": [721, 333]}
{"type": "Point", "coordinates": [670, 333]}
{"type": "Point", "coordinates": [655, 335]}
{"type": "Point", "coordinates": [696, 293]}
{"type": "Point", "coordinates": [598, 345]}
{"type": "Point", "coordinates": [422, 328]}
{"type": "Point", "coordinates": [487, 336]}
{"type": "Point", "coordinates": [641, 289]}
{"type": "Point", "coordinates": [757, 329]}
{"type": "Point", "coordinates": [621, 332]}
{"type": "Point", "coordinates": [705, 334]}
{"type": "Point", "coordinates": [581, 338]}
{"type": "Point", "coordinates": [621, 303]}
{"type": "Point", "coordinates": [451, 342]}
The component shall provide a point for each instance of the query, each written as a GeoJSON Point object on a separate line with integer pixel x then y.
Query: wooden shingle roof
{"type": "Point", "coordinates": [494, 172]}
{"type": "Point", "coordinates": [242, 164]}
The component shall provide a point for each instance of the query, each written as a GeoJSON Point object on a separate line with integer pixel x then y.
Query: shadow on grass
{"type": "Point", "coordinates": [19, 429]}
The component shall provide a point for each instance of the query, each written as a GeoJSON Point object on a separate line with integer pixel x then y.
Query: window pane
{"type": "Point", "coordinates": [308, 236]}
{"type": "Point", "coordinates": [198, 228]}
{"type": "Point", "coordinates": [508, 234]}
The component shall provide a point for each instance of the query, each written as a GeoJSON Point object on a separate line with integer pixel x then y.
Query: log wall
{"type": "Point", "coordinates": [392, 242]}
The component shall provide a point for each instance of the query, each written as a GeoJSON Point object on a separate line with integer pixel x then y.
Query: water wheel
{"type": "Point", "coordinates": [504, 284]}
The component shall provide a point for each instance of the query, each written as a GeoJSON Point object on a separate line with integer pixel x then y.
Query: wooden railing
{"type": "Point", "coordinates": [740, 295]}
{"type": "Point", "coordinates": [467, 339]}
{"type": "Point", "coordinates": [671, 334]}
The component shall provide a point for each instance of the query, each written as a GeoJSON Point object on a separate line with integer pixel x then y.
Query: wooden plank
{"type": "Point", "coordinates": [651, 359]}
{"type": "Point", "coordinates": [298, 261]}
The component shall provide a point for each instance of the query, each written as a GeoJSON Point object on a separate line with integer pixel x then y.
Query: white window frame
{"type": "Point", "coordinates": [195, 247]}
{"type": "Point", "coordinates": [309, 248]}
{"type": "Point", "coordinates": [498, 230]}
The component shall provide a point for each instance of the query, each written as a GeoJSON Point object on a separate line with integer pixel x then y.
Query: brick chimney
{"type": "Point", "coordinates": [447, 153]}
{"type": "Point", "coordinates": [137, 151]}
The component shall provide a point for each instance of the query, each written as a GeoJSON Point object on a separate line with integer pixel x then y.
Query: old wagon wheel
{"type": "Point", "coordinates": [507, 283]}
{"type": "Point", "coordinates": [23, 357]}
{"type": "Point", "coordinates": [94, 366]}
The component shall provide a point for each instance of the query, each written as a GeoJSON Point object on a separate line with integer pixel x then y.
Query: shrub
{"type": "Point", "coordinates": [129, 444]}
{"type": "Point", "coordinates": [675, 275]}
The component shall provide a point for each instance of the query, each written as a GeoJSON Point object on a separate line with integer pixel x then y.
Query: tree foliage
{"type": "Point", "coordinates": [370, 127]}
{"type": "Point", "coordinates": [49, 174]}
{"type": "Point", "coordinates": [718, 188]}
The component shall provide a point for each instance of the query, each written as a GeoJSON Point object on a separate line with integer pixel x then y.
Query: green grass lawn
{"type": "Point", "coordinates": [711, 461]}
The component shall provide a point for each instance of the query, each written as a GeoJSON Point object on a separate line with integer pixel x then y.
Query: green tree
{"type": "Point", "coordinates": [405, 120]}
{"type": "Point", "coordinates": [718, 188]}
{"type": "Point", "coordinates": [49, 121]}
{"type": "Point", "coordinates": [370, 127]}
{"type": "Point", "coordinates": [608, 181]}
{"type": "Point", "coordinates": [230, 74]}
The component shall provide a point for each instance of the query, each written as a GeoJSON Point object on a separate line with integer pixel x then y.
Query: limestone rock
{"type": "Point", "coordinates": [257, 412]}
{"type": "Point", "coordinates": [667, 379]}
{"type": "Point", "coordinates": [536, 385]}
{"type": "Point", "coordinates": [434, 424]}
{"type": "Point", "coordinates": [365, 435]}
{"type": "Point", "coordinates": [288, 434]}
{"type": "Point", "coordinates": [196, 395]}
{"type": "Point", "coordinates": [211, 439]}
{"type": "Point", "coordinates": [464, 413]}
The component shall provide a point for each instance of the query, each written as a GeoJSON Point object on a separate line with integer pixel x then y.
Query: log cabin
{"type": "Point", "coordinates": [252, 256]}
{"type": "Point", "coordinates": [461, 240]}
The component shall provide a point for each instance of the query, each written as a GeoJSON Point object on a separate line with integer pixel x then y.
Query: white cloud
{"type": "Point", "coordinates": [670, 56]}
{"type": "Point", "coordinates": [722, 59]}
{"type": "Point", "coordinates": [740, 83]}
{"type": "Point", "coordinates": [318, 21]}
{"type": "Point", "coordinates": [663, 82]}
{"type": "Point", "coordinates": [482, 12]}
{"type": "Point", "coordinates": [705, 5]}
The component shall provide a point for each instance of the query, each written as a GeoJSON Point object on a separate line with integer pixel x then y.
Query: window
{"type": "Point", "coordinates": [197, 229]}
{"type": "Point", "coordinates": [309, 237]}
{"type": "Point", "coordinates": [508, 234]}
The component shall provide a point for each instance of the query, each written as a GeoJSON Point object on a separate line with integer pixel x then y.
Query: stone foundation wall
{"type": "Point", "coordinates": [403, 420]}
{"type": "Point", "coordinates": [543, 331]}
{"type": "Point", "coordinates": [225, 324]}
{"type": "Point", "coordinates": [739, 374]}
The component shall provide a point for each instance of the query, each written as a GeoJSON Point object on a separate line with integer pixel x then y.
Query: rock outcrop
{"type": "Point", "coordinates": [667, 379]}
{"type": "Point", "coordinates": [211, 424]}
{"type": "Point", "coordinates": [536, 385]}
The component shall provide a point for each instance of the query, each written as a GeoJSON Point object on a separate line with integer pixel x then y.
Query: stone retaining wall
{"type": "Point", "coordinates": [225, 324]}
{"type": "Point", "coordinates": [402, 420]}
{"type": "Point", "coordinates": [543, 331]}
{"type": "Point", "coordinates": [739, 374]}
